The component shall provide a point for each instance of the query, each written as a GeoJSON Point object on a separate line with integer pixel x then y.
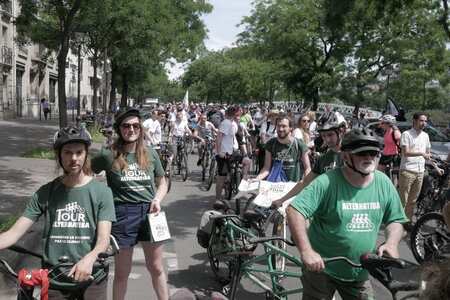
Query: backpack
{"type": "Point", "coordinates": [396, 141]}
{"type": "Point", "coordinates": [205, 228]}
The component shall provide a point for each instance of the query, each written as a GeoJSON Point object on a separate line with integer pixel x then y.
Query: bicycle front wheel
{"type": "Point", "coordinates": [205, 162]}
{"type": "Point", "coordinates": [184, 168]}
{"type": "Point", "coordinates": [211, 174]}
{"type": "Point", "coordinates": [425, 239]}
{"type": "Point", "coordinates": [279, 230]}
{"type": "Point", "coordinates": [221, 264]}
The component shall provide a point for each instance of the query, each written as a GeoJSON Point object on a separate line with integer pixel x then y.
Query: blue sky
{"type": "Point", "coordinates": [221, 23]}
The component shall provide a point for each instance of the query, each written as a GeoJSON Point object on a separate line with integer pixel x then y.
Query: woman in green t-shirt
{"type": "Point", "coordinates": [136, 178]}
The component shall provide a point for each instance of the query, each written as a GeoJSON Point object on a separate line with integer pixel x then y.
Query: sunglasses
{"type": "Point", "coordinates": [306, 121]}
{"type": "Point", "coordinates": [136, 126]}
{"type": "Point", "coordinates": [372, 153]}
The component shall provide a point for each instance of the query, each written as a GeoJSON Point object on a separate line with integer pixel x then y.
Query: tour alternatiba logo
{"type": "Point", "coordinates": [71, 216]}
{"type": "Point", "coordinates": [134, 173]}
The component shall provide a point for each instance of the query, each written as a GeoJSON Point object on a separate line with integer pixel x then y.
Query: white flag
{"type": "Point", "coordinates": [392, 108]}
{"type": "Point", "coordinates": [186, 100]}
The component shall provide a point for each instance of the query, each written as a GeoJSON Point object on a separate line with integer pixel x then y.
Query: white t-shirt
{"type": "Point", "coordinates": [228, 138]}
{"type": "Point", "coordinates": [298, 133]}
{"type": "Point", "coordinates": [154, 128]}
{"type": "Point", "coordinates": [416, 142]}
{"type": "Point", "coordinates": [178, 128]}
{"type": "Point", "coordinates": [271, 132]}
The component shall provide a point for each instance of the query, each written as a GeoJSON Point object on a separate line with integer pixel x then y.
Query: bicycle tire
{"type": "Point", "coordinates": [188, 144]}
{"type": "Point", "coordinates": [222, 270]}
{"type": "Point", "coordinates": [424, 228]}
{"type": "Point", "coordinates": [279, 229]}
{"type": "Point", "coordinates": [184, 170]}
{"type": "Point", "coordinates": [236, 181]}
{"type": "Point", "coordinates": [211, 173]}
{"type": "Point", "coordinates": [168, 174]}
{"type": "Point", "coordinates": [205, 161]}
{"type": "Point", "coordinates": [228, 186]}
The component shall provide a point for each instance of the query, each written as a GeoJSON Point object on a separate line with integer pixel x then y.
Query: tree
{"type": "Point", "coordinates": [50, 23]}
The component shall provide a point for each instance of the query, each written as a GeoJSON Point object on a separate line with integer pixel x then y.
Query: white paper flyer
{"type": "Point", "coordinates": [158, 226]}
{"type": "Point", "coordinates": [270, 191]}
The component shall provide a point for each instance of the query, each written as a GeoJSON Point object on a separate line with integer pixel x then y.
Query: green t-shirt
{"type": "Point", "coordinates": [347, 219]}
{"type": "Point", "coordinates": [71, 218]}
{"type": "Point", "coordinates": [245, 118]}
{"type": "Point", "coordinates": [292, 165]}
{"type": "Point", "coordinates": [328, 161]}
{"type": "Point", "coordinates": [132, 185]}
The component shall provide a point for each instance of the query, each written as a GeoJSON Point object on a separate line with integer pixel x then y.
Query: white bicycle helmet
{"type": "Point", "coordinates": [388, 119]}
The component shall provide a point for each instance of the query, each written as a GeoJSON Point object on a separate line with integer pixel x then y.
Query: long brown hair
{"type": "Point", "coordinates": [305, 133]}
{"type": "Point", "coordinates": [142, 158]}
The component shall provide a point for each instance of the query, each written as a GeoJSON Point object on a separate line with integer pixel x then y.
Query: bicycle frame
{"type": "Point", "coordinates": [231, 231]}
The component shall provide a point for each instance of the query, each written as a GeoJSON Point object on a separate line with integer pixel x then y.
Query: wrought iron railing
{"type": "Point", "coordinates": [7, 7]}
{"type": "Point", "coordinates": [7, 56]}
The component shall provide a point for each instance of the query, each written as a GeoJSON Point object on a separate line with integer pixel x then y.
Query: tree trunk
{"type": "Point", "coordinates": [123, 100]}
{"type": "Point", "coordinates": [95, 86]}
{"type": "Point", "coordinates": [112, 95]}
{"type": "Point", "coordinates": [62, 104]}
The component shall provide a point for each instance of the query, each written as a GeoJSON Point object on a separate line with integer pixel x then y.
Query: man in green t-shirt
{"type": "Point", "coordinates": [285, 148]}
{"type": "Point", "coordinates": [347, 206]}
{"type": "Point", "coordinates": [331, 127]}
{"type": "Point", "coordinates": [78, 212]}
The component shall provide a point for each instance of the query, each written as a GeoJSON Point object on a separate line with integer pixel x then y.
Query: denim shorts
{"type": "Point", "coordinates": [132, 224]}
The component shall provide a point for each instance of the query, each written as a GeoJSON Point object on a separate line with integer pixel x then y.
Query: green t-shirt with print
{"type": "Point", "coordinates": [132, 185]}
{"type": "Point", "coordinates": [328, 161]}
{"type": "Point", "coordinates": [292, 165]}
{"type": "Point", "coordinates": [71, 218]}
{"type": "Point", "coordinates": [346, 219]}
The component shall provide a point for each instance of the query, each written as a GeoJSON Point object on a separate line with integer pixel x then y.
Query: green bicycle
{"type": "Point", "coordinates": [231, 252]}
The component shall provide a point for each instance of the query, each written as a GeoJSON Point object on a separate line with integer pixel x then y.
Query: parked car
{"type": "Point", "coordinates": [440, 143]}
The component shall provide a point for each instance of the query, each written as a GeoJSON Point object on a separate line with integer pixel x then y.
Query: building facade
{"type": "Point", "coordinates": [26, 77]}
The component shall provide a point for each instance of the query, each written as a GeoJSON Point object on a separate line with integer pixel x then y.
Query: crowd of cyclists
{"type": "Point", "coordinates": [333, 160]}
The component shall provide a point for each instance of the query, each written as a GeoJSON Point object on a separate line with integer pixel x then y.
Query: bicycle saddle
{"type": "Point", "coordinates": [252, 215]}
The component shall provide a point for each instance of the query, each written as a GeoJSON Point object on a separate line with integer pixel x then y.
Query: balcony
{"type": "Point", "coordinates": [7, 7]}
{"type": "Point", "coordinates": [6, 56]}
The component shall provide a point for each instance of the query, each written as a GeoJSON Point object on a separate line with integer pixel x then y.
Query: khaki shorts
{"type": "Point", "coordinates": [321, 286]}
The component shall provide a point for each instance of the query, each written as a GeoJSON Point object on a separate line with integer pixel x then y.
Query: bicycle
{"type": "Point", "coordinates": [25, 290]}
{"type": "Point", "coordinates": [430, 236]}
{"type": "Point", "coordinates": [231, 254]}
{"type": "Point", "coordinates": [166, 154]}
{"type": "Point", "coordinates": [109, 136]}
{"type": "Point", "coordinates": [234, 176]}
{"type": "Point", "coordinates": [434, 192]}
{"type": "Point", "coordinates": [180, 166]}
{"type": "Point", "coordinates": [207, 158]}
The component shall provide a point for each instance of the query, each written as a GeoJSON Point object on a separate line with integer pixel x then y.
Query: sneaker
{"type": "Point", "coordinates": [221, 204]}
{"type": "Point", "coordinates": [192, 152]}
{"type": "Point", "coordinates": [199, 162]}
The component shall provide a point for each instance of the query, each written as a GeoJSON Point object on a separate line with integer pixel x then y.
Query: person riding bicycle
{"type": "Point", "coordinates": [288, 150]}
{"type": "Point", "coordinates": [226, 144]}
{"type": "Point", "coordinates": [391, 141]}
{"type": "Point", "coordinates": [347, 206]}
{"type": "Point", "coordinates": [153, 131]}
{"type": "Point", "coordinates": [78, 212]}
{"type": "Point", "coordinates": [178, 129]}
{"type": "Point", "coordinates": [203, 131]}
{"type": "Point", "coordinates": [136, 177]}
{"type": "Point", "coordinates": [331, 127]}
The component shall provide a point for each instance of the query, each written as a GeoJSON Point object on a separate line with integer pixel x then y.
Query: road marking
{"type": "Point", "coordinates": [131, 276]}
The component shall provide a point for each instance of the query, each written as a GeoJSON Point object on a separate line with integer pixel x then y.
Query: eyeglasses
{"type": "Point", "coordinates": [306, 121]}
{"type": "Point", "coordinates": [372, 153]}
{"type": "Point", "coordinates": [136, 126]}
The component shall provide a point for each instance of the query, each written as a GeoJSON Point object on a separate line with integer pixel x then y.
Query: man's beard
{"type": "Point", "coordinates": [281, 136]}
{"type": "Point", "coordinates": [369, 169]}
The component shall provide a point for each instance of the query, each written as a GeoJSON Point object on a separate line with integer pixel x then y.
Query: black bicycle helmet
{"type": "Point", "coordinates": [360, 139]}
{"type": "Point", "coordinates": [330, 120]}
{"type": "Point", "coordinates": [70, 135]}
{"type": "Point", "coordinates": [124, 113]}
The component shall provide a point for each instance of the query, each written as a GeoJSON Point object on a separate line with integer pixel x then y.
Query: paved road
{"type": "Point", "coordinates": [185, 261]}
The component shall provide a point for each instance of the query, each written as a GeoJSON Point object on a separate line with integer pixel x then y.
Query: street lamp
{"type": "Point", "coordinates": [79, 35]}
{"type": "Point", "coordinates": [389, 71]}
